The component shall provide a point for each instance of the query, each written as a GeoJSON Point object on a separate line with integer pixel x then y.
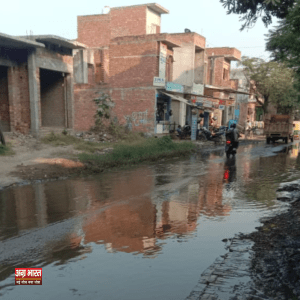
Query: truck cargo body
{"type": "Point", "coordinates": [278, 127]}
{"type": "Point", "coordinates": [296, 130]}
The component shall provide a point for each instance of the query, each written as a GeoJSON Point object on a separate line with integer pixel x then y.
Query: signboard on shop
{"type": "Point", "coordinates": [207, 103]}
{"type": "Point", "coordinates": [162, 60]}
{"type": "Point", "coordinates": [194, 127]}
{"type": "Point", "coordinates": [215, 105]}
{"type": "Point", "coordinates": [222, 107]}
{"type": "Point", "coordinates": [222, 102]}
{"type": "Point", "coordinates": [197, 89]}
{"type": "Point", "coordinates": [230, 102]}
{"type": "Point", "coordinates": [158, 81]}
{"type": "Point", "coordinates": [174, 87]}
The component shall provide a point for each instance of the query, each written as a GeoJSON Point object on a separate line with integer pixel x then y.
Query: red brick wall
{"type": "Point", "coordinates": [91, 74]}
{"type": "Point", "coordinates": [224, 51]}
{"type": "Point", "coordinates": [4, 103]}
{"type": "Point", "coordinates": [94, 30]}
{"type": "Point", "coordinates": [131, 102]}
{"type": "Point", "coordinates": [128, 21]}
{"type": "Point", "coordinates": [128, 104]}
{"type": "Point", "coordinates": [183, 37]}
{"type": "Point", "coordinates": [18, 87]}
{"type": "Point", "coordinates": [133, 65]}
{"type": "Point", "coordinates": [52, 99]}
{"type": "Point", "coordinates": [105, 61]}
{"type": "Point", "coordinates": [218, 75]}
{"type": "Point", "coordinates": [200, 40]}
{"type": "Point", "coordinates": [84, 108]}
{"type": "Point", "coordinates": [188, 38]}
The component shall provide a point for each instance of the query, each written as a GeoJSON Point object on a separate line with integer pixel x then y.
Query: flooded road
{"type": "Point", "coordinates": [144, 233]}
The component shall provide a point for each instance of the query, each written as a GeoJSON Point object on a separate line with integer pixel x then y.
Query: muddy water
{"type": "Point", "coordinates": [143, 233]}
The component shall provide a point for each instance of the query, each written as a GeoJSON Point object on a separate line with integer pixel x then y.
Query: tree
{"type": "Point", "coordinates": [284, 41]}
{"type": "Point", "coordinates": [274, 82]}
{"type": "Point", "coordinates": [253, 9]}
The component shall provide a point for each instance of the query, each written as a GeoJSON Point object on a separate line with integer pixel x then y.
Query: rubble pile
{"type": "Point", "coordinates": [98, 137]}
{"type": "Point", "coordinates": [22, 142]}
{"type": "Point", "coordinates": [276, 260]}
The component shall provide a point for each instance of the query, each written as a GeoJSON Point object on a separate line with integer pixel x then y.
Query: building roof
{"type": "Point", "coordinates": [18, 42]}
{"type": "Point", "coordinates": [154, 6]}
{"type": "Point", "coordinates": [57, 40]}
{"type": "Point", "coordinates": [226, 52]}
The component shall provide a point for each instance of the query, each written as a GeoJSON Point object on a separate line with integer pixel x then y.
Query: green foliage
{"type": "Point", "coordinates": [274, 81]}
{"type": "Point", "coordinates": [121, 133]}
{"type": "Point", "coordinates": [65, 132]}
{"type": "Point", "coordinates": [6, 150]}
{"type": "Point", "coordinates": [284, 41]}
{"type": "Point", "coordinates": [104, 104]}
{"type": "Point", "coordinates": [150, 149]}
{"type": "Point", "coordinates": [251, 10]}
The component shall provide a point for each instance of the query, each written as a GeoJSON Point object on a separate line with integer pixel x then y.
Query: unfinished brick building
{"type": "Point", "coordinates": [36, 83]}
{"type": "Point", "coordinates": [123, 59]}
{"type": "Point", "coordinates": [218, 82]}
{"type": "Point", "coordinates": [146, 73]}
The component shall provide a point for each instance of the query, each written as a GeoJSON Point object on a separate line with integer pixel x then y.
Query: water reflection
{"type": "Point", "coordinates": [230, 170]}
{"type": "Point", "coordinates": [134, 211]}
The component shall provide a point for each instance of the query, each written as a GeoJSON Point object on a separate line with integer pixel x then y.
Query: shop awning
{"type": "Point", "coordinates": [178, 98]}
{"type": "Point", "coordinates": [223, 89]}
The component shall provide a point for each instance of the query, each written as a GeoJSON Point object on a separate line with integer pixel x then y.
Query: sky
{"type": "Point", "coordinates": [208, 18]}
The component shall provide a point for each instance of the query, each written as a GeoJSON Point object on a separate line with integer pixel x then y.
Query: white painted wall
{"type": "Point", "coordinates": [183, 67]}
{"type": "Point", "coordinates": [153, 18]}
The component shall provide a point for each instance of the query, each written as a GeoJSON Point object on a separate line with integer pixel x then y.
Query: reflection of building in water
{"type": "Point", "coordinates": [128, 225]}
{"type": "Point", "coordinates": [40, 204]}
{"type": "Point", "coordinates": [179, 213]}
{"type": "Point", "coordinates": [211, 192]}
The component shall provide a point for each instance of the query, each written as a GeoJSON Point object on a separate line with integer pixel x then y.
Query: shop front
{"type": "Point", "coordinates": [163, 113]}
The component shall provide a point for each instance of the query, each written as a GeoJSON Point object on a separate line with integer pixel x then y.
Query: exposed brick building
{"type": "Point", "coordinates": [218, 82]}
{"type": "Point", "coordinates": [36, 83]}
{"type": "Point", "coordinates": [146, 73]}
{"type": "Point", "coordinates": [125, 47]}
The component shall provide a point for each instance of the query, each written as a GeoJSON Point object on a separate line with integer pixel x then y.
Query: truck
{"type": "Point", "coordinates": [296, 130]}
{"type": "Point", "coordinates": [278, 127]}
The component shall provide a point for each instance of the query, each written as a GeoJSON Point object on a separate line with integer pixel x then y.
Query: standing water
{"type": "Point", "coordinates": [143, 233]}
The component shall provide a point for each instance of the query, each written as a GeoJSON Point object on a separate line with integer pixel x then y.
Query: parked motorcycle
{"type": "Point", "coordinates": [184, 131]}
{"type": "Point", "coordinates": [220, 129]}
{"type": "Point", "coordinates": [206, 135]}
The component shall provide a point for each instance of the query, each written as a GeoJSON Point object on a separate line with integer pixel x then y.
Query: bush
{"type": "Point", "coordinates": [6, 150]}
{"type": "Point", "coordinates": [147, 150]}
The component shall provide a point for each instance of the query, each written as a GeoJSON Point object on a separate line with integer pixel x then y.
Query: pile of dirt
{"type": "Point", "coordinates": [52, 168]}
{"type": "Point", "coordinates": [276, 260]}
{"type": "Point", "coordinates": [91, 136]}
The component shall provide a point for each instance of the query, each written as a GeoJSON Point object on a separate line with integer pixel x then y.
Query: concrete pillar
{"type": "Point", "coordinates": [81, 66]}
{"type": "Point", "coordinates": [33, 94]}
{"type": "Point", "coordinates": [70, 100]}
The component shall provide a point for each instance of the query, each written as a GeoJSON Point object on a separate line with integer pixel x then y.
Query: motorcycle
{"type": "Point", "coordinates": [206, 135]}
{"type": "Point", "coordinates": [184, 132]}
{"type": "Point", "coordinates": [230, 147]}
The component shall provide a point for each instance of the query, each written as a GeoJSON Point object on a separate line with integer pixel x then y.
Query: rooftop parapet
{"type": "Point", "coordinates": [226, 52]}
